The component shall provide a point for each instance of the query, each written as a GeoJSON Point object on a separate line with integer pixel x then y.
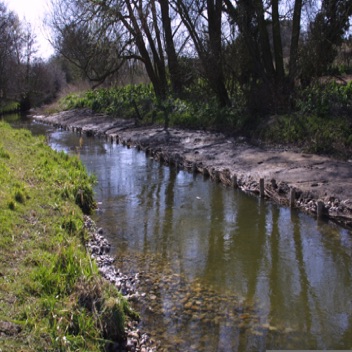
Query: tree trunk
{"type": "Point", "coordinates": [278, 54]}
{"type": "Point", "coordinates": [208, 46]}
{"type": "Point", "coordinates": [296, 28]}
{"type": "Point", "coordinates": [213, 58]}
{"type": "Point", "coordinates": [264, 42]}
{"type": "Point", "coordinates": [174, 68]}
{"type": "Point", "coordinates": [154, 68]}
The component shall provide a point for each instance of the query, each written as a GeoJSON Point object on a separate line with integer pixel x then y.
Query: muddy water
{"type": "Point", "coordinates": [220, 270]}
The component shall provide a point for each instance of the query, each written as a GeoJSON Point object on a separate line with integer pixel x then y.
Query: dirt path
{"type": "Point", "coordinates": [232, 161]}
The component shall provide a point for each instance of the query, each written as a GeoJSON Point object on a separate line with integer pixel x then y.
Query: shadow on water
{"type": "Point", "coordinates": [221, 270]}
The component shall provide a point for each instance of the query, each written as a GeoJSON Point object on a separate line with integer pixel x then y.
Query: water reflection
{"type": "Point", "coordinates": [24, 121]}
{"type": "Point", "coordinates": [223, 271]}
{"type": "Point", "coordinates": [288, 276]}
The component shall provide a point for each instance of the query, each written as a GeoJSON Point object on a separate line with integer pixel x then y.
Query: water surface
{"type": "Point", "coordinates": [222, 270]}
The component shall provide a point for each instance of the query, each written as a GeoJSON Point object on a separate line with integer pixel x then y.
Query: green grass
{"type": "Point", "coordinates": [50, 290]}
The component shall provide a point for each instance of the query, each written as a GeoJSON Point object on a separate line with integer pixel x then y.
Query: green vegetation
{"type": "Point", "coordinates": [320, 121]}
{"type": "Point", "coordinates": [321, 124]}
{"type": "Point", "coordinates": [312, 133]}
{"type": "Point", "coordinates": [139, 102]}
{"type": "Point", "coordinates": [9, 107]}
{"type": "Point", "coordinates": [51, 295]}
{"type": "Point", "coordinates": [270, 79]}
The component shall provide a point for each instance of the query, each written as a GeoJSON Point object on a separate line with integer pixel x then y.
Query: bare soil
{"type": "Point", "coordinates": [232, 161]}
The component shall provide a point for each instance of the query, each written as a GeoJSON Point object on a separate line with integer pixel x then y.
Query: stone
{"type": "Point", "coordinates": [10, 329]}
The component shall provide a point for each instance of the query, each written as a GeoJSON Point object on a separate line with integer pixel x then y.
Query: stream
{"type": "Point", "coordinates": [220, 270]}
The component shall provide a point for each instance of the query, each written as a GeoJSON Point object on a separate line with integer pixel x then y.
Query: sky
{"type": "Point", "coordinates": [33, 11]}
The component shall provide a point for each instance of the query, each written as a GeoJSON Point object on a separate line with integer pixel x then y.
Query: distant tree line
{"type": "Point", "coordinates": [264, 49]}
{"type": "Point", "coordinates": [24, 77]}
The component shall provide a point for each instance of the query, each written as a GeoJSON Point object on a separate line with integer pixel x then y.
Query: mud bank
{"type": "Point", "coordinates": [315, 184]}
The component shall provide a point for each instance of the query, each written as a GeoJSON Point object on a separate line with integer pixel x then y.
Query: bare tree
{"type": "Point", "coordinates": [9, 35]}
{"type": "Point", "coordinates": [173, 62]}
{"type": "Point", "coordinates": [84, 38]}
{"type": "Point", "coordinates": [296, 29]}
{"type": "Point", "coordinates": [99, 36]}
{"type": "Point", "coordinates": [325, 36]}
{"type": "Point", "coordinates": [26, 49]}
{"type": "Point", "coordinates": [203, 20]}
{"type": "Point", "coordinates": [269, 52]}
{"type": "Point", "coordinates": [140, 18]}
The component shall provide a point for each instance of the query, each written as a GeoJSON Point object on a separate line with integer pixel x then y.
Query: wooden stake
{"type": "Point", "coordinates": [320, 209]}
{"type": "Point", "coordinates": [194, 168]}
{"type": "Point", "coordinates": [234, 181]}
{"type": "Point", "coordinates": [292, 197]}
{"type": "Point", "coordinates": [261, 188]}
{"type": "Point", "coordinates": [217, 176]}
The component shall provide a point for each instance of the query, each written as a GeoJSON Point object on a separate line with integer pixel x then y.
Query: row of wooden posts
{"type": "Point", "coordinates": [292, 199]}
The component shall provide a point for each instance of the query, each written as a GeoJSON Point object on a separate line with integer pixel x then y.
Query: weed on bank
{"type": "Point", "coordinates": [51, 295]}
{"type": "Point", "coordinates": [319, 120]}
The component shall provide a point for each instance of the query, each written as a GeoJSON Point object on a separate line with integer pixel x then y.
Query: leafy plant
{"type": "Point", "coordinates": [8, 107]}
{"type": "Point", "coordinates": [326, 100]}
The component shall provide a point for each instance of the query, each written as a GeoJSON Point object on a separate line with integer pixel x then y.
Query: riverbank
{"type": "Point", "coordinates": [52, 294]}
{"type": "Point", "coordinates": [290, 177]}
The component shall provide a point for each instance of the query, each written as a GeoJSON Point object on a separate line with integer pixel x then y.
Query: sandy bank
{"type": "Point", "coordinates": [314, 179]}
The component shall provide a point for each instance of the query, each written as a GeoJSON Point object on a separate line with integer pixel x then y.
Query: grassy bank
{"type": "Point", "coordinates": [139, 102]}
{"type": "Point", "coordinates": [51, 295]}
{"type": "Point", "coordinates": [319, 122]}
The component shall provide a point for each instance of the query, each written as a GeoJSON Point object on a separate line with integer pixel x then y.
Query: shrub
{"type": "Point", "coordinates": [8, 107]}
{"type": "Point", "coordinates": [312, 133]}
{"type": "Point", "coordinates": [326, 100]}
